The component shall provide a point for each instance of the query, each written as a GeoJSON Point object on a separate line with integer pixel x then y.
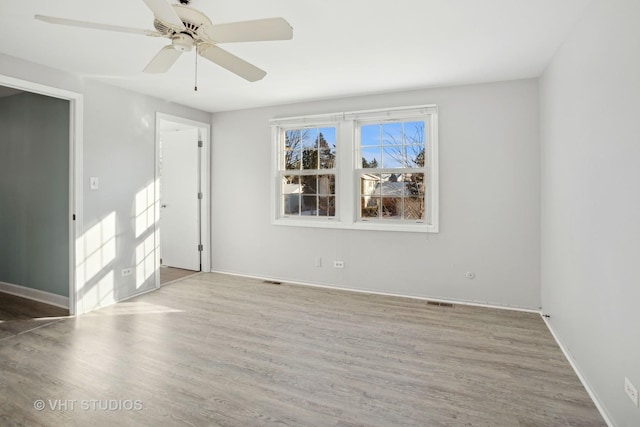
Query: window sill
{"type": "Point", "coordinates": [365, 225]}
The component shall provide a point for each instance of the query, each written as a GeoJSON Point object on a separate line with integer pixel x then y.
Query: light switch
{"type": "Point", "coordinates": [94, 183]}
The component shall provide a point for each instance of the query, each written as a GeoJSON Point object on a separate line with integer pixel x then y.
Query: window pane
{"type": "Point", "coordinates": [369, 195]}
{"type": "Point", "coordinates": [414, 133]}
{"type": "Point", "coordinates": [371, 157]}
{"type": "Point", "coordinates": [391, 185]}
{"type": "Point", "coordinates": [292, 183]}
{"type": "Point", "coordinates": [309, 184]}
{"type": "Point", "coordinates": [309, 159]}
{"type": "Point", "coordinates": [327, 150]}
{"type": "Point", "coordinates": [291, 204]}
{"type": "Point", "coordinates": [310, 149]}
{"type": "Point", "coordinates": [369, 185]}
{"type": "Point", "coordinates": [309, 205]}
{"type": "Point", "coordinates": [326, 206]}
{"type": "Point", "coordinates": [327, 184]}
{"type": "Point", "coordinates": [370, 207]}
{"type": "Point", "coordinates": [290, 194]}
{"type": "Point", "coordinates": [292, 144]}
{"type": "Point", "coordinates": [414, 208]}
{"type": "Point", "coordinates": [414, 156]}
{"type": "Point", "coordinates": [414, 184]}
{"type": "Point", "coordinates": [392, 134]}
{"type": "Point", "coordinates": [392, 207]}
{"type": "Point", "coordinates": [392, 156]}
{"type": "Point", "coordinates": [370, 135]}
{"type": "Point", "coordinates": [327, 158]}
{"type": "Point", "coordinates": [327, 147]}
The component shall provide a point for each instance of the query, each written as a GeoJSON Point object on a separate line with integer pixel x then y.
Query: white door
{"type": "Point", "coordinates": [179, 203]}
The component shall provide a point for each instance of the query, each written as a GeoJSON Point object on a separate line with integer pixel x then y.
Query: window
{"type": "Point", "coordinates": [392, 171]}
{"type": "Point", "coordinates": [373, 170]}
{"type": "Point", "coordinates": [307, 174]}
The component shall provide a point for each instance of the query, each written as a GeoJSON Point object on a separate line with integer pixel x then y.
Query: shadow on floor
{"type": "Point", "coordinates": [172, 274]}
{"type": "Point", "coordinates": [18, 315]}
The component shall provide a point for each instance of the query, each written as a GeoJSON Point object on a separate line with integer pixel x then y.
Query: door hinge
{"type": "Point", "coordinates": [74, 217]}
{"type": "Point", "coordinates": [200, 144]}
{"type": "Point", "coordinates": [200, 248]}
{"type": "Point", "coordinates": [200, 196]}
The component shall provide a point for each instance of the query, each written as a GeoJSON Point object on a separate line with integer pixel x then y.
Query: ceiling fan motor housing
{"type": "Point", "coordinates": [182, 42]}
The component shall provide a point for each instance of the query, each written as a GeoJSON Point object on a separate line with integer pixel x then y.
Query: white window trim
{"type": "Point", "coordinates": [347, 204]}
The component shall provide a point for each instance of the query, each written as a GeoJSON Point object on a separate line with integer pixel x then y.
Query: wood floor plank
{"type": "Point", "coordinates": [221, 350]}
{"type": "Point", "coordinates": [18, 315]}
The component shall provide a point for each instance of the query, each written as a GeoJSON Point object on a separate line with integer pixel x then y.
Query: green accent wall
{"type": "Point", "coordinates": [34, 192]}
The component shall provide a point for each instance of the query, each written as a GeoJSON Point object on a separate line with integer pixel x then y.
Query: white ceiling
{"type": "Point", "coordinates": [339, 47]}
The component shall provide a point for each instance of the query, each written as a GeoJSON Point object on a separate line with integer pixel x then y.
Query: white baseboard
{"type": "Point", "coordinates": [581, 377]}
{"type": "Point", "coordinates": [390, 294]}
{"type": "Point", "coordinates": [35, 294]}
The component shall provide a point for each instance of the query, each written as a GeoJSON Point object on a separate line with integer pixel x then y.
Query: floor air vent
{"type": "Point", "coordinates": [441, 304]}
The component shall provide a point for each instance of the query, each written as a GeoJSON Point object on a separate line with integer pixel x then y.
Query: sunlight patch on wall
{"type": "Point", "coordinates": [147, 210]}
{"type": "Point", "coordinates": [145, 260]}
{"type": "Point", "coordinates": [95, 249]}
{"type": "Point", "coordinates": [147, 207]}
{"type": "Point", "coordinates": [100, 293]}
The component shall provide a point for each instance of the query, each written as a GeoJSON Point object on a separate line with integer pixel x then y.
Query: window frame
{"type": "Point", "coordinates": [279, 137]}
{"type": "Point", "coordinates": [347, 168]}
{"type": "Point", "coordinates": [359, 170]}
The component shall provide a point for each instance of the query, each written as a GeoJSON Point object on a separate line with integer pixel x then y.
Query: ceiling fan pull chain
{"type": "Point", "coordinates": [195, 88]}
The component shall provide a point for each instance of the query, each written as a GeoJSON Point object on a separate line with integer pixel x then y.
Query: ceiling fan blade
{"type": "Point", "coordinates": [164, 12]}
{"type": "Point", "coordinates": [163, 60]}
{"type": "Point", "coordinates": [95, 26]}
{"type": "Point", "coordinates": [231, 62]}
{"type": "Point", "coordinates": [248, 31]}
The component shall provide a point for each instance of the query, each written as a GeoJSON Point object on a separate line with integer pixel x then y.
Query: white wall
{"type": "Point", "coordinates": [25, 70]}
{"type": "Point", "coordinates": [590, 110]}
{"type": "Point", "coordinates": [119, 149]}
{"type": "Point", "coordinates": [489, 203]}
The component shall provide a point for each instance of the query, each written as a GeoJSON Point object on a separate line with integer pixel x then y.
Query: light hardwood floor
{"type": "Point", "coordinates": [18, 315]}
{"type": "Point", "coordinates": [171, 274]}
{"type": "Point", "coordinates": [226, 351]}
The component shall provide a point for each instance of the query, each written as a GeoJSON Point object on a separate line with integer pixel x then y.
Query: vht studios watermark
{"type": "Point", "coordinates": [108, 405]}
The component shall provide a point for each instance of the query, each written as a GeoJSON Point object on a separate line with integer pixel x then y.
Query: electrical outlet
{"type": "Point", "coordinates": [127, 271]}
{"type": "Point", "coordinates": [338, 264]}
{"type": "Point", "coordinates": [631, 391]}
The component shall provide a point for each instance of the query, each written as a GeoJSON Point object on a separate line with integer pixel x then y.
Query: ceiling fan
{"type": "Point", "coordinates": [188, 28]}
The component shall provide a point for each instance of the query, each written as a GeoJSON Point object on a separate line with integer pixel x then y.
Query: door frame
{"type": "Point", "coordinates": [205, 185]}
{"type": "Point", "coordinates": [76, 102]}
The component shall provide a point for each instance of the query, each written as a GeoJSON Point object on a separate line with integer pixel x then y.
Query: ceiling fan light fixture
{"type": "Point", "coordinates": [182, 42]}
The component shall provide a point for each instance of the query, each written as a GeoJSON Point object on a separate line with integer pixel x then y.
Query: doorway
{"type": "Point", "coordinates": [56, 228]}
{"type": "Point", "coordinates": [182, 173]}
